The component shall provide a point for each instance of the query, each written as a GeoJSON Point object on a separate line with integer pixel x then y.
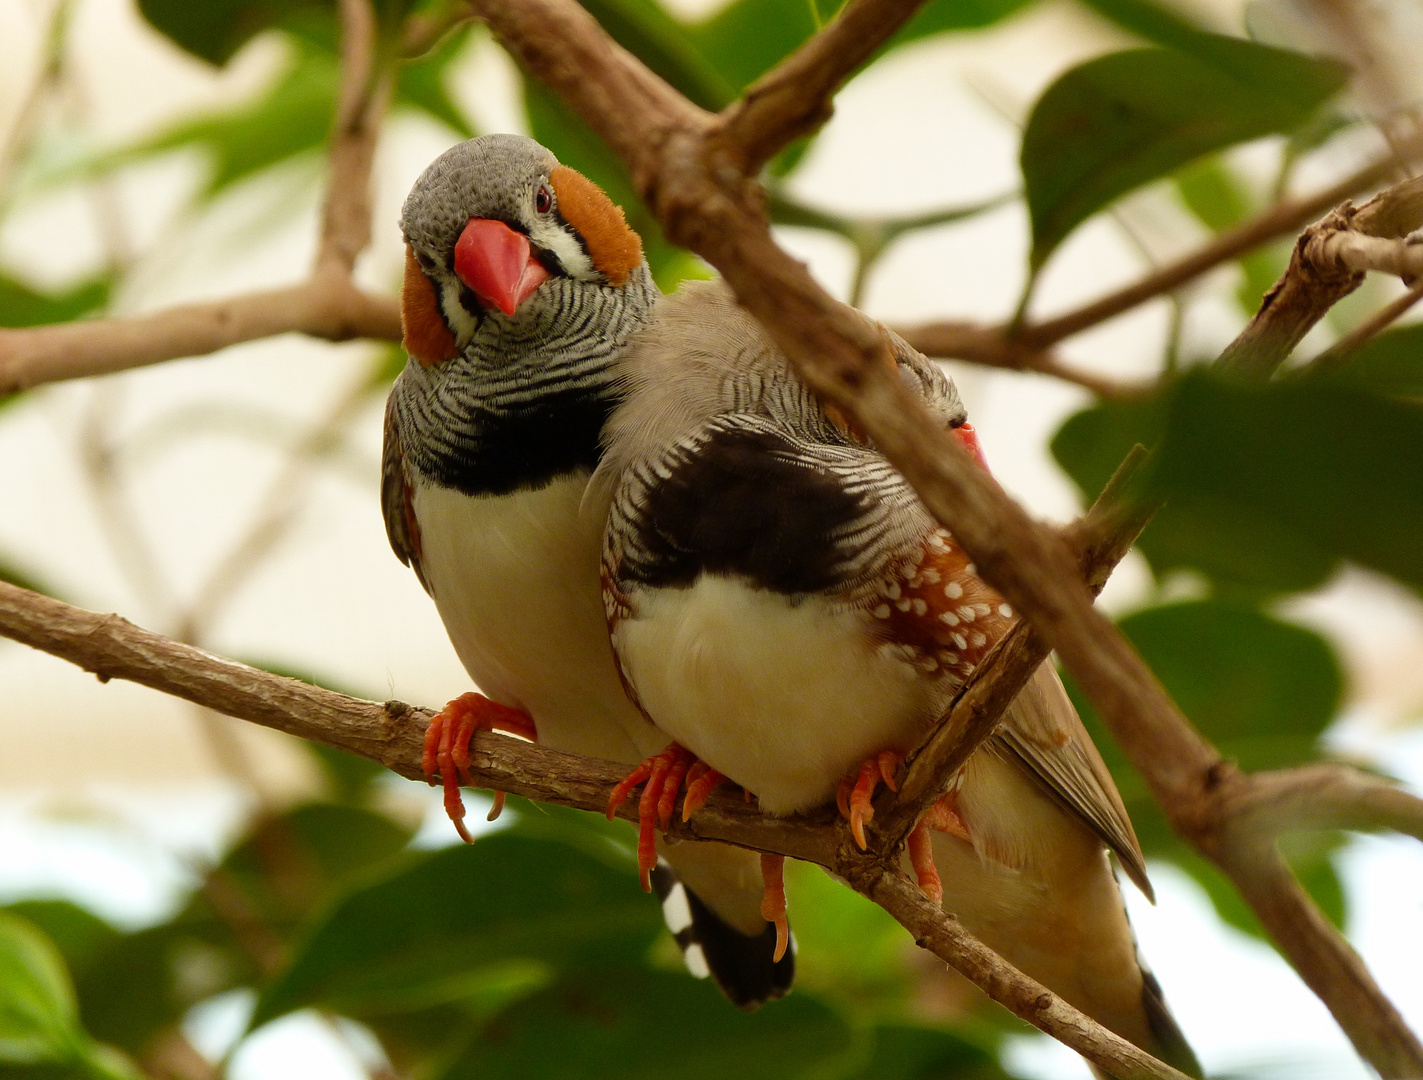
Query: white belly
{"type": "Point", "coordinates": [515, 579]}
{"type": "Point", "coordinates": [783, 698]}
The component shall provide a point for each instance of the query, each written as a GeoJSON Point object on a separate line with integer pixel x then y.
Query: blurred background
{"type": "Point", "coordinates": [188, 869]}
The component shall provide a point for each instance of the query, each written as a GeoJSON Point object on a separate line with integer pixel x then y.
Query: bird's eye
{"type": "Point", "coordinates": [543, 201]}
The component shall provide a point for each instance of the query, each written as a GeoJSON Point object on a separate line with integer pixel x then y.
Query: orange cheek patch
{"type": "Point", "coordinates": [615, 249]}
{"type": "Point", "coordinates": [427, 338]}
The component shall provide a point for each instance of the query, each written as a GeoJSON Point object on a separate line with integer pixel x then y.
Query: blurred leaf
{"type": "Point", "coordinates": [1242, 554]}
{"type": "Point", "coordinates": [747, 38]}
{"type": "Point", "coordinates": [129, 990]}
{"type": "Point", "coordinates": [1390, 364]}
{"type": "Point", "coordinates": [1263, 691]}
{"type": "Point", "coordinates": [215, 29]}
{"type": "Point", "coordinates": [423, 932]}
{"type": "Point", "coordinates": [37, 1012]}
{"type": "Point", "coordinates": [1325, 464]}
{"type": "Point", "coordinates": [919, 1053]}
{"type": "Point", "coordinates": [1260, 689]}
{"type": "Point", "coordinates": [630, 1024]}
{"type": "Point", "coordinates": [21, 305]}
{"type": "Point", "coordinates": [1212, 192]}
{"type": "Point", "coordinates": [292, 864]}
{"type": "Point", "coordinates": [1114, 123]}
{"type": "Point", "coordinates": [669, 48]}
{"type": "Point", "coordinates": [848, 948]}
{"type": "Point", "coordinates": [38, 1022]}
{"type": "Point", "coordinates": [1154, 22]}
{"type": "Point", "coordinates": [8, 571]}
{"type": "Point", "coordinates": [78, 933]}
{"type": "Point", "coordinates": [939, 16]}
{"type": "Point", "coordinates": [292, 117]}
{"type": "Point", "coordinates": [423, 83]}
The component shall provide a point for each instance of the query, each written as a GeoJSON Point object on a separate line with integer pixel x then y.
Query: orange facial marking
{"type": "Point", "coordinates": [615, 249]}
{"type": "Point", "coordinates": [427, 338]}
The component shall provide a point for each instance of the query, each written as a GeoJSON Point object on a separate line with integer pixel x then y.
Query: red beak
{"type": "Point", "coordinates": [497, 264]}
{"type": "Point", "coordinates": [969, 438]}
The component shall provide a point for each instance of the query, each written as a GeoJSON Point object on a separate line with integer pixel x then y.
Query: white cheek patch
{"type": "Point", "coordinates": [566, 248]}
{"type": "Point", "coordinates": [460, 321]}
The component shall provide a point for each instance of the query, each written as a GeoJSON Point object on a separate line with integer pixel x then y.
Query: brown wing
{"type": "Point", "coordinates": [401, 528]}
{"type": "Point", "coordinates": [1042, 732]}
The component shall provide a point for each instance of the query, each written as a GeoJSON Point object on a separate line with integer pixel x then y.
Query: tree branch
{"type": "Point", "coordinates": [329, 305]}
{"type": "Point", "coordinates": [991, 347]}
{"type": "Point", "coordinates": [393, 734]}
{"type": "Point", "coordinates": [1329, 262]}
{"type": "Point", "coordinates": [1282, 219]}
{"type": "Point", "coordinates": [690, 179]}
{"type": "Point", "coordinates": [793, 99]}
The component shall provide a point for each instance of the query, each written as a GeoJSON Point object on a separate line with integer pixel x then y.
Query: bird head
{"type": "Point", "coordinates": [492, 228]}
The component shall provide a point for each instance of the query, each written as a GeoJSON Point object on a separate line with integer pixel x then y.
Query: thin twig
{"type": "Point", "coordinates": [793, 99]}
{"type": "Point", "coordinates": [332, 308]}
{"type": "Point", "coordinates": [688, 176]}
{"type": "Point", "coordinates": [393, 734]}
{"type": "Point", "coordinates": [1282, 219]}
{"type": "Point", "coordinates": [1339, 353]}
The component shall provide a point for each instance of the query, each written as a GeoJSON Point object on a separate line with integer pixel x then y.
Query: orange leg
{"type": "Point", "coordinates": [773, 900]}
{"type": "Point", "coordinates": [921, 857]}
{"type": "Point", "coordinates": [662, 776]}
{"type": "Point", "coordinates": [447, 747]}
{"type": "Point", "coordinates": [855, 793]}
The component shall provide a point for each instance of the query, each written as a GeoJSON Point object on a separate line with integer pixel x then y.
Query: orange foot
{"type": "Point", "coordinates": [854, 798]}
{"type": "Point", "coordinates": [855, 793]}
{"type": "Point", "coordinates": [773, 901]}
{"type": "Point", "coordinates": [447, 747]}
{"type": "Point", "coordinates": [664, 774]}
{"type": "Point", "coordinates": [943, 816]}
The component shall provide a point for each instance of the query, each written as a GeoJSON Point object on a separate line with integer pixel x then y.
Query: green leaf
{"type": "Point", "coordinates": [747, 38]}
{"type": "Point", "coordinates": [432, 929]}
{"type": "Point", "coordinates": [37, 1012]}
{"type": "Point", "coordinates": [293, 863]}
{"type": "Point", "coordinates": [293, 117]}
{"type": "Point", "coordinates": [1114, 123]}
{"type": "Point", "coordinates": [631, 1024]}
{"type": "Point", "coordinates": [902, 1052]}
{"type": "Point", "coordinates": [668, 47]}
{"type": "Point", "coordinates": [215, 29]}
{"type": "Point", "coordinates": [78, 933]}
{"type": "Point", "coordinates": [1244, 556]}
{"type": "Point", "coordinates": [423, 83]}
{"type": "Point", "coordinates": [21, 305]}
{"type": "Point", "coordinates": [1390, 364]}
{"type": "Point", "coordinates": [1323, 464]}
{"type": "Point", "coordinates": [1261, 689]}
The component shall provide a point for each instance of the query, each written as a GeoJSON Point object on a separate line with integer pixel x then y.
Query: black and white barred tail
{"type": "Point", "coordinates": [741, 964]}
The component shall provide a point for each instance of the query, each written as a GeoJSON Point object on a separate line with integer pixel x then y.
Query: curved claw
{"type": "Point", "coordinates": [662, 776]}
{"type": "Point", "coordinates": [854, 797]}
{"type": "Point", "coordinates": [702, 780]}
{"type": "Point", "coordinates": [446, 750]}
{"type": "Point", "coordinates": [773, 901]}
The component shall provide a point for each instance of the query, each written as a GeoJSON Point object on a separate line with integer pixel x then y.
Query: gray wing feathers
{"type": "Point", "coordinates": [1042, 732]}
{"type": "Point", "coordinates": [395, 497]}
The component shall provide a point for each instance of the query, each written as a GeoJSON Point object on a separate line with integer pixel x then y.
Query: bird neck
{"type": "Point", "coordinates": [526, 400]}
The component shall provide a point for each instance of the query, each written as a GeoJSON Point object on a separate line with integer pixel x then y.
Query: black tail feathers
{"type": "Point", "coordinates": [741, 964]}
